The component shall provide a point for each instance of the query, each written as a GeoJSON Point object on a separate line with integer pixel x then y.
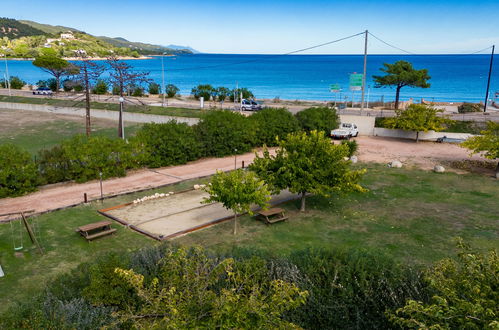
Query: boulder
{"type": "Point", "coordinates": [354, 159]}
{"type": "Point", "coordinates": [395, 164]}
{"type": "Point", "coordinates": [439, 169]}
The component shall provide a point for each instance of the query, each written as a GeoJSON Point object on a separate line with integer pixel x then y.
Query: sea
{"type": "Point", "coordinates": [454, 78]}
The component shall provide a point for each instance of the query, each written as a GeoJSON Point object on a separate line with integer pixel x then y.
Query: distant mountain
{"type": "Point", "coordinates": [183, 47]}
{"type": "Point", "coordinates": [143, 48]}
{"type": "Point", "coordinates": [14, 29]}
{"type": "Point", "coordinates": [49, 29]}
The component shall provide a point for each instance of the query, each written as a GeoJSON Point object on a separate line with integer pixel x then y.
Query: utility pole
{"type": "Point", "coordinates": [7, 78]}
{"type": "Point", "coordinates": [163, 78]}
{"type": "Point", "coordinates": [365, 72]}
{"type": "Point", "coordinates": [488, 81]}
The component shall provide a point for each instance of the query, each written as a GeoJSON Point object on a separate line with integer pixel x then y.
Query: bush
{"type": "Point", "coordinates": [15, 83]}
{"type": "Point", "coordinates": [469, 107]}
{"type": "Point", "coordinates": [247, 94]}
{"type": "Point", "coordinates": [154, 88]}
{"type": "Point", "coordinates": [42, 83]}
{"type": "Point", "coordinates": [18, 174]}
{"type": "Point", "coordinates": [101, 87]}
{"type": "Point", "coordinates": [53, 165]}
{"type": "Point", "coordinates": [203, 91]}
{"type": "Point", "coordinates": [52, 84]}
{"type": "Point", "coordinates": [222, 93]}
{"type": "Point", "coordinates": [89, 156]}
{"type": "Point", "coordinates": [352, 146]}
{"type": "Point", "coordinates": [116, 90]}
{"type": "Point", "coordinates": [68, 85]}
{"type": "Point", "coordinates": [168, 144]}
{"type": "Point", "coordinates": [221, 132]}
{"type": "Point", "coordinates": [270, 123]}
{"type": "Point", "coordinates": [318, 118]}
{"type": "Point", "coordinates": [136, 91]}
{"type": "Point", "coordinates": [171, 90]}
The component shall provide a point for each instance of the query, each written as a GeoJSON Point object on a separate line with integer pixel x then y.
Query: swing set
{"type": "Point", "coordinates": [17, 235]}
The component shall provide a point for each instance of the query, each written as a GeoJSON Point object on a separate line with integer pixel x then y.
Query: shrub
{"type": "Point", "coordinates": [222, 93]}
{"type": "Point", "coordinates": [68, 85]}
{"type": "Point", "coordinates": [52, 84]}
{"type": "Point", "coordinates": [171, 90]}
{"type": "Point", "coordinates": [115, 90]}
{"type": "Point", "coordinates": [18, 174]}
{"type": "Point", "coordinates": [469, 107]}
{"type": "Point", "coordinates": [270, 123]}
{"type": "Point", "coordinates": [202, 91]}
{"type": "Point", "coordinates": [221, 132]}
{"type": "Point", "coordinates": [352, 146]}
{"type": "Point", "coordinates": [89, 156]}
{"type": "Point", "coordinates": [15, 83]}
{"type": "Point", "coordinates": [318, 118]}
{"type": "Point", "coordinates": [247, 94]}
{"type": "Point", "coordinates": [53, 165]}
{"type": "Point", "coordinates": [101, 87]}
{"type": "Point", "coordinates": [136, 91]}
{"type": "Point", "coordinates": [154, 88]}
{"type": "Point", "coordinates": [168, 144]}
{"type": "Point", "coordinates": [42, 83]}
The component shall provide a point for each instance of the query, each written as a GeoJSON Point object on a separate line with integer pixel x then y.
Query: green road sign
{"type": "Point", "coordinates": [356, 81]}
{"type": "Point", "coordinates": [335, 88]}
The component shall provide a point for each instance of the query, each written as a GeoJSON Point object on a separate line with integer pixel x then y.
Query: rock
{"type": "Point", "coordinates": [439, 169]}
{"type": "Point", "coordinates": [395, 164]}
{"type": "Point", "coordinates": [354, 159]}
{"type": "Point", "coordinates": [196, 186]}
{"type": "Point", "coordinates": [170, 192]}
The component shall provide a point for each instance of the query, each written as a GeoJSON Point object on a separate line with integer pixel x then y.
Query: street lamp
{"type": "Point", "coordinates": [122, 126]}
{"type": "Point", "coordinates": [7, 78]}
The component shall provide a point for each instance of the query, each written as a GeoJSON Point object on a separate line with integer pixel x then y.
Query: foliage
{"type": "Point", "coordinates": [271, 123]}
{"type": "Point", "coordinates": [401, 74]}
{"type": "Point", "coordinates": [418, 118]}
{"type": "Point", "coordinates": [55, 66]}
{"type": "Point", "coordinates": [488, 142]}
{"type": "Point", "coordinates": [236, 93]}
{"type": "Point", "coordinates": [349, 289]}
{"type": "Point", "coordinates": [70, 84]}
{"type": "Point", "coordinates": [466, 295]}
{"type": "Point", "coordinates": [308, 164]}
{"type": "Point", "coordinates": [171, 90]}
{"type": "Point", "coordinates": [14, 82]}
{"type": "Point", "coordinates": [123, 76]}
{"type": "Point", "coordinates": [101, 87]}
{"type": "Point", "coordinates": [89, 156]}
{"type": "Point", "coordinates": [41, 83]}
{"type": "Point", "coordinates": [460, 126]}
{"type": "Point", "coordinates": [52, 84]}
{"type": "Point", "coordinates": [469, 107]}
{"type": "Point", "coordinates": [237, 191]}
{"type": "Point", "coordinates": [322, 119]}
{"type": "Point", "coordinates": [168, 144]}
{"type": "Point", "coordinates": [18, 174]}
{"type": "Point", "coordinates": [222, 93]}
{"type": "Point", "coordinates": [154, 88]}
{"type": "Point", "coordinates": [13, 29]}
{"type": "Point", "coordinates": [352, 146]}
{"type": "Point", "coordinates": [203, 91]}
{"type": "Point", "coordinates": [136, 91]}
{"type": "Point", "coordinates": [223, 133]}
{"type": "Point", "coordinates": [53, 165]}
{"type": "Point", "coordinates": [195, 291]}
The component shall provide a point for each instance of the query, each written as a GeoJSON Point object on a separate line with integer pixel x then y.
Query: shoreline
{"type": "Point", "coordinates": [87, 58]}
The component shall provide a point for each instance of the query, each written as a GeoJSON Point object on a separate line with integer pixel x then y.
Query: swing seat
{"type": "Point", "coordinates": [18, 248]}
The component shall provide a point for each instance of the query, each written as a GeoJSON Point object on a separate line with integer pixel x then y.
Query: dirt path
{"type": "Point", "coordinates": [371, 149]}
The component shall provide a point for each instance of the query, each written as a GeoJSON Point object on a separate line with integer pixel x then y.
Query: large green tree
{"type": "Point", "coordinates": [418, 118]}
{"type": "Point", "coordinates": [465, 295]}
{"type": "Point", "coordinates": [488, 143]}
{"type": "Point", "coordinates": [56, 66]}
{"type": "Point", "coordinates": [238, 191]}
{"type": "Point", "coordinates": [308, 163]}
{"type": "Point", "coordinates": [401, 74]}
{"type": "Point", "coordinates": [18, 172]}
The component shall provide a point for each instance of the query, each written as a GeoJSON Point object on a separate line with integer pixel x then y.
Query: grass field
{"type": "Point", "coordinates": [408, 214]}
{"type": "Point", "coordinates": [166, 111]}
{"type": "Point", "coordinates": [36, 131]}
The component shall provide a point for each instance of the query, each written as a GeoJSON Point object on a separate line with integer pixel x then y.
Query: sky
{"type": "Point", "coordinates": [281, 26]}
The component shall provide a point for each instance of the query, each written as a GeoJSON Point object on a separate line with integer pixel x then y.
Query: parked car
{"type": "Point", "coordinates": [345, 131]}
{"type": "Point", "coordinates": [42, 91]}
{"type": "Point", "coordinates": [250, 105]}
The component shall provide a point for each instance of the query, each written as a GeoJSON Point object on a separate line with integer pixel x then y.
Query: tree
{"type": "Point", "coordinates": [203, 91]}
{"type": "Point", "coordinates": [270, 123]}
{"type": "Point", "coordinates": [154, 88]}
{"type": "Point", "coordinates": [123, 77]}
{"type": "Point", "coordinates": [418, 118]}
{"type": "Point", "coordinates": [237, 190]}
{"type": "Point", "coordinates": [89, 72]}
{"type": "Point", "coordinates": [18, 172]}
{"type": "Point", "coordinates": [401, 74]}
{"type": "Point", "coordinates": [171, 90]}
{"type": "Point", "coordinates": [222, 93]}
{"type": "Point", "coordinates": [465, 295]}
{"type": "Point", "coordinates": [101, 87]}
{"type": "Point", "coordinates": [322, 119]}
{"type": "Point", "coordinates": [14, 83]}
{"type": "Point", "coordinates": [308, 164]}
{"type": "Point", "coordinates": [56, 66]}
{"type": "Point", "coordinates": [236, 94]}
{"type": "Point", "coordinates": [488, 143]}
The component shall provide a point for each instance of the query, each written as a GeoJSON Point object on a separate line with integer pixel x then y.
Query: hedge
{"type": "Point", "coordinates": [270, 123]}
{"type": "Point", "coordinates": [322, 119]}
{"type": "Point", "coordinates": [18, 173]}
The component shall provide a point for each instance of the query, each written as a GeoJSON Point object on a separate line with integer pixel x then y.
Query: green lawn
{"type": "Point", "coordinates": [166, 111]}
{"type": "Point", "coordinates": [410, 215]}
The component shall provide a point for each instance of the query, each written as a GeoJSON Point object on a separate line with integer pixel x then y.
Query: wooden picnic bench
{"type": "Point", "coordinates": [273, 215]}
{"type": "Point", "coordinates": [97, 229]}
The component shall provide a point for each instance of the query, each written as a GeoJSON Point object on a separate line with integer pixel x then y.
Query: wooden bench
{"type": "Point", "coordinates": [94, 230]}
{"type": "Point", "coordinates": [272, 215]}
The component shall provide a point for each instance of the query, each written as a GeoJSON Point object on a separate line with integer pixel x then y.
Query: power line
{"type": "Point", "coordinates": [390, 45]}
{"type": "Point", "coordinates": [479, 51]}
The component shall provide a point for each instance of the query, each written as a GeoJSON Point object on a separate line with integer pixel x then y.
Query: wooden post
{"type": "Point", "coordinates": [243, 164]}
{"type": "Point", "coordinates": [30, 233]}
{"type": "Point", "coordinates": [85, 199]}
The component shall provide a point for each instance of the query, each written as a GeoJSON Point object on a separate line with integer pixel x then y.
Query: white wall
{"type": "Point", "coordinates": [365, 124]}
{"type": "Point", "coordinates": [429, 136]}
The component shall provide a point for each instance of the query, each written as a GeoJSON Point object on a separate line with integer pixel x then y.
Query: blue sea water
{"type": "Point", "coordinates": [308, 77]}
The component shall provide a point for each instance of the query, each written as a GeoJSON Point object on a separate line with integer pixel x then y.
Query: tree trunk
{"type": "Point", "coordinates": [57, 84]}
{"type": "Point", "coordinates": [87, 105]}
{"type": "Point", "coordinates": [417, 136]}
{"type": "Point", "coordinates": [497, 171]}
{"type": "Point", "coordinates": [397, 95]}
{"type": "Point", "coordinates": [302, 207]}
{"type": "Point", "coordinates": [235, 223]}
